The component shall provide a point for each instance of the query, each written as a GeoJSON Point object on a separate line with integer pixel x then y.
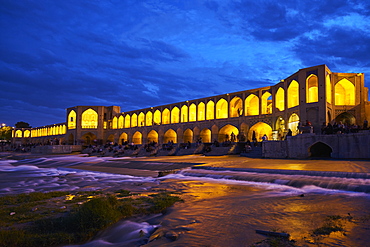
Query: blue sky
{"type": "Point", "coordinates": [137, 54]}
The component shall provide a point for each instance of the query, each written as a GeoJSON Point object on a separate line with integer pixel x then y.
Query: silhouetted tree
{"type": "Point", "coordinates": [6, 133]}
{"type": "Point", "coordinates": [22, 124]}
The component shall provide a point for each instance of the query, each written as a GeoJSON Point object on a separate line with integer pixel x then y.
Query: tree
{"type": "Point", "coordinates": [22, 124]}
{"type": "Point", "coordinates": [6, 133]}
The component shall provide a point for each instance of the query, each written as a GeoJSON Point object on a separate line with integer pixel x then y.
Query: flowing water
{"type": "Point", "coordinates": [224, 201]}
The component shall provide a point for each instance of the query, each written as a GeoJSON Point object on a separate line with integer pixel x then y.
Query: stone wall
{"type": "Point", "coordinates": [56, 149]}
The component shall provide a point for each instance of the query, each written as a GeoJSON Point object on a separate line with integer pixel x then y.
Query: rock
{"type": "Point", "coordinates": [171, 235]}
{"type": "Point", "coordinates": [12, 213]}
{"type": "Point", "coordinates": [156, 234]}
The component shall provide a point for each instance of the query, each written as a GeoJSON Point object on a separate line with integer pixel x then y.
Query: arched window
{"type": "Point", "coordinates": [114, 123]}
{"type": "Point", "coordinates": [127, 121]}
{"type": "Point", "coordinates": [175, 115]}
{"type": "Point", "coordinates": [120, 122]}
{"type": "Point", "coordinates": [293, 123]}
{"type": "Point", "coordinates": [344, 93]}
{"type": "Point", "coordinates": [252, 105]}
{"type": "Point", "coordinates": [149, 118]}
{"type": "Point", "coordinates": [328, 89]}
{"type": "Point", "coordinates": [166, 116]}
{"type": "Point", "coordinates": [184, 114]}
{"type": "Point", "coordinates": [221, 109]}
{"type": "Point", "coordinates": [157, 117]}
{"type": "Point", "coordinates": [72, 120]}
{"type": "Point", "coordinates": [312, 89]}
{"type": "Point", "coordinates": [134, 120]}
{"type": "Point", "coordinates": [293, 94]}
{"type": "Point", "coordinates": [201, 111]}
{"type": "Point", "coordinates": [141, 119]}
{"type": "Point", "coordinates": [89, 119]}
{"type": "Point", "coordinates": [279, 99]}
{"type": "Point", "coordinates": [210, 110]}
{"type": "Point", "coordinates": [266, 103]}
{"type": "Point", "coordinates": [192, 113]}
{"type": "Point", "coordinates": [236, 107]}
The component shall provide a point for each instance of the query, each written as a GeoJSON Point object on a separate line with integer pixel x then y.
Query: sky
{"type": "Point", "coordinates": [138, 54]}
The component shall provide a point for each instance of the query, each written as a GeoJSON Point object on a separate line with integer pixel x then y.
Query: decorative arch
{"type": "Point", "coordinates": [152, 136]}
{"type": "Point", "coordinates": [188, 136]}
{"type": "Point", "coordinates": [88, 138]}
{"type": "Point", "coordinates": [320, 149]}
{"type": "Point", "coordinates": [252, 105]}
{"type": "Point", "coordinates": [184, 114]}
{"type": "Point", "coordinates": [205, 134]}
{"type": "Point", "coordinates": [236, 107]}
{"type": "Point", "coordinates": [201, 111]}
{"type": "Point", "coordinates": [166, 116]}
{"type": "Point", "coordinates": [137, 138]}
{"type": "Point", "coordinates": [312, 89]}
{"type": "Point", "coordinates": [141, 119]}
{"type": "Point", "coordinates": [170, 135]}
{"type": "Point", "coordinates": [210, 110]}
{"type": "Point", "coordinates": [123, 138]}
{"type": "Point", "coordinates": [266, 103]}
{"type": "Point", "coordinates": [260, 129]}
{"type": "Point", "coordinates": [72, 120]}
{"type": "Point", "coordinates": [128, 121]}
{"type": "Point", "coordinates": [228, 133]}
{"type": "Point", "coordinates": [157, 117]}
{"type": "Point", "coordinates": [18, 134]}
{"type": "Point", "coordinates": [293, 94]}
{"type": "Point", "coordinates": [110, 139]}
{"type": "Point", "coordinates": [344, 93]}
{"type": "Point", "coordinates": [221, 109]}
{"type": "Point", "coordinates": [293, 123]}
{"type": "Point", "coordinates": [149, 119]}
{"type": "Point", "coordinates": [115, 123]}
{"type": "Point", "coordinates": [134, 120]}
{"type": "Point", "coordinates": [280, 127]}
{"type": "Point", "coordinates": [175, 115]}
{"type": "Point", "coordinates": [89, 119]}
{"type": "Point", "coordinates": [120, 122]}
{"type": "Point", "coordinates": [192, 113]}
{"type": "Point", "coordinates": [279, 99]}
{"type": "Point", "coordinates": [328, 88]}
{"type": "Point", "coordinates": [346, 118]}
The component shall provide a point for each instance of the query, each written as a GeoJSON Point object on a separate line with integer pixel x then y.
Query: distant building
{"type": "Point", "coordinates": [312, 94]}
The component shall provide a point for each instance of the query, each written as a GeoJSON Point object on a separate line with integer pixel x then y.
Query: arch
{"type": "Point", "coordinates": [18, 134]}
{"type": "Point", "coordinates": [134, 120]}
{"type": "Point", "coordinates": [205, 135]}
{"type": "Point", "coordinates": [320, 149]}
{"type": "Point", "coordinates": [228, 133]}
{"type": "Point", "coordinates": [152, 136]}
{"type": "Point", "coordinates": [201, 111]}
{"type": "Point", "coordinates": [110, 139]}
{"type": "Point", "coordinates": [188, 136]}
{"type": "Point", "coordinates": [166, 116]}
{"type": "Point", "coordinates": [293, 122]}
{"type": "Point", "coordinates": [71, 139]}
{"type": "Point", "coordinates": [328, 88]}
{"type": "Point", "coordinates": [89, 119]}
{"type": "Point", "coordinates": [192, 113]}
{"type": "Point", "coordinates": [236, 107]}
{"type": "Point", "coordinates": [123, 138]}
{"type": "Point", "coordinates": [149, 119]}
{"type": "Point", "coordinates": [312, 89]}
{"type": "Point", "coordinates": [252, 105]}
{"type": "Point", "coordinates": [141, 119]}
{"type": "Point", "coordinates": [170, 135]}
{"type": "Point", "coordinates": [72, 120]}
{"type": "Point", "coordinates": [127, 121]}
{"type": "Point", "coordinates": [260, 130]}
{"type": "Point", "coordinates": [115, 123]}
{"type": "Point", "coordinates": [157, 117]}
{"type": "Point", "coordinates": [137, 138]}
{"type": "Point", "coordinates": [279, 99]}
{"type": "Point", "coordinates": [293, 94]}
{"type": "Point", "coordinates": [120, 122]}
{"type": "Point", "coordinates": [175, 112]}
{"type": "Point", "coordinates": [266, 102]}
{"type": "Point", "coordinates": [221, 109]}
{"type": "Point", "coordinates": [280, 127]}
{"type": "Point", "coordinates": [88, 139]}
{"type": "Point", "coordinates": [344, 93]}
{"type": "Point", "coordinates": [346, 118]}
{"type": "Point", "coordinates": [210, 114]}
{"type": "Point", "coordinates": [184, 114]}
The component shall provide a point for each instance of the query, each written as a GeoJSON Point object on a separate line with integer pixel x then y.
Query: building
{"type": "Point", "coordinates": [313, 94]}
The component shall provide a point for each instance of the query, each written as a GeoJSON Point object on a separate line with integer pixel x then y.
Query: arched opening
{"type": "Point", "coordinates": [71, 139]}
{"type": "Point", "coordinates": [72, 120]}
{"type": "Point", "coordinates": [123, 138]}
{"type": "Point", "coordinates": [175, 115]}
{"type": "Point", "coordinates": [152, 136]}
{"type": "Point", "coordinates": [192, 113]}
{"type": "Point", "coordinates": [210, 110]}
{"type": "Point", "coordinates": [279, 99]}
{"type": "Point", "coordinates": [184, 114]}
{"type": "Point", "coordinates": [170, 135]}
{"type": "Point", "coordinates": [110, 139]}
{"type": "Point", "coordinates": [328, 89]}
{"type": "Point", "coordinates": [236, 107]}
{"type": "Point", "coordinates": [221, 109]}
{"type": "Point", "coordinates": [149, 119]}
{"type": "Point", "coordinates": [280, 127]}
{"type": "Point", "coordinates": [201, 111]}
{"type": "Point", "coordinates": [89, 119]}
{"type": "Point", "coordinates": [134, 120]}
{"type": "Point", "coordinates": [320, 149]}
{"type": "Point", "coordinates": [166, 116]}
{"type": "Point", "coordinates": [115, 123]}
{"type": "Point", "coordinates": [293, 122]}
{"type": "Point", "coordinates": [228, 133]}
{"type": "Point", "coordinates": [127, 121]}
{"type": "Point", "coordinates": [252, 105]}
{"type": "Point", "coordinates": [26, 133]}
{"type": "Point", "coordinates": [293, 94]}
{"type": "Point", "coordinates": [266, 103]}
{"type": "Point", "coordinates": [120, 122]}
{"type": "Point", "coordinates": [205, 135]}
{"type": "Point", "coordinates": [88, 139]}
{"type": "Point", "coordinates": [141, 119]}
{"type": "Point", "coordinates": [188, 136]}
{"type": "Point", "coordinates": [346, 118]}
{"type": "Point", "coordinates": [260, 129]}
{"type": "Point", "coordinates": [312, 89]}
{"type": "Point", "coordinates": [137, 138]}
{"type": "Point", "coordinates": [344, 93]}
{"type": "Point", "coordinates": [157, 117]}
